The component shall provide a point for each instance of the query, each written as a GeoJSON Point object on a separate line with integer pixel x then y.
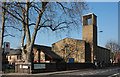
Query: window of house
{"type": "Point", "coordinates": [10, 57]}
{"type": "Point", "coordinates": [20, 57]}
{"type": "Point", "coordinates": [17, 57]}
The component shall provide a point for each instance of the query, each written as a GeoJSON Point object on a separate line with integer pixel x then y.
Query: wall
{"type": "Point", "coordinates": [103, 54]}
{"type": "Point", "coordinates": [21, 68]}
{"type": "Point", "coordinates": [14, 58]}
{"type": "Point", "coordinates": [74, 49]}
{"type": "Point", "coordinates": [87, 53]}
{"type": "Point", "coordinates": [50, 67]}
{"type": "Point", "coordinates": [37, 54]}
{"type": "Point", "coordinates": [90, 33]}
{"type": "Point", "coordinates": [63, 66]}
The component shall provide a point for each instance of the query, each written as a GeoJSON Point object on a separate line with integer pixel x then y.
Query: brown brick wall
{"type": "Point", "coordinates": [75, 49]}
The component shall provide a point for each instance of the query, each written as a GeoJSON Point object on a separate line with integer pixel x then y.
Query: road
{"type": "Point", "coordinates": [110, 72]}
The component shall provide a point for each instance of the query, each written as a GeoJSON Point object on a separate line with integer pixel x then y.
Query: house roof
{"type": "Point", "coordinates": [15, 52]}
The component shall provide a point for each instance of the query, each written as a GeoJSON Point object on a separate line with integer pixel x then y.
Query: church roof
{"type": "Point", "coordinates": [47, 50]}
{"type": "Point", "coordinates": [69, 38]}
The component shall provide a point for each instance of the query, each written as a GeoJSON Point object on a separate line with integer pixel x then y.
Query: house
{"type": "Point", "coordinates": [85, 50]}
{"type": "Point", "coordinates": [14, 56]}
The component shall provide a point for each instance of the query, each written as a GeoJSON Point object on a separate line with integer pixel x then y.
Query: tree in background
{"type": "Point", "coordinates": [114, 48]}
{"type": "Point", "coordinates": [48, 15]}
{"type": "Point", "coordinates": [7, 23]}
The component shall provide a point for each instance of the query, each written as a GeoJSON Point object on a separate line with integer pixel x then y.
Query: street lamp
{"type": "Point", "coordinates": [100, 32]}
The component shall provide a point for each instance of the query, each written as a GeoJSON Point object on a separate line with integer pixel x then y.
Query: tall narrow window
{"type": "Point", "coordinates": [10, 57]}
{"type": "Point", "coordinates": [17, 57]}
{"type": "Point", "coordinates": [20, 57]}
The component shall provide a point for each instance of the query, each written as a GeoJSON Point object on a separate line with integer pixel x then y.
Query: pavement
{"type": "Point", "coordinates": [69, 72]}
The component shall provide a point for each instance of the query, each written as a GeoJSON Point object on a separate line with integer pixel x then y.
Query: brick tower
{"type": "Point", "coordinates": [90, 33]}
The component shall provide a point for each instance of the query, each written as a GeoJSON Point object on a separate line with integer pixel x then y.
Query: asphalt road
{"type": "Point", "coordinates": [87, 73]}
{"type": "Point", "coordinates": [94, 73]}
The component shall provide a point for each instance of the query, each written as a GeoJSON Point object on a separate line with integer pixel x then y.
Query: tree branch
{"type": "Point", "coordinates": [14, 27]}
{"type": "Point", "coordinates": [45, 21]}
{"type": "Point", "coordinates": [36, 10]}
{"type": "Point", "coordinates": [63, 23]}
{"type": "Point", "coordinates": [62, 6]}
{"type": "Point", "coordinates": [38, 21]}
{"type": "Point", "coordinates": [42, 25]}
{"type": "Point", "coordinates": [60, 24]}
{"type": "Point", "coordinates": [20, 7]}
{"type": "Point", "coordinates": [35, 7]}
{"type": "Point", "coordinates": [9, 35]}
{"type": "Point", "coordinates": [53, 29]}
{"type": "Point", "coordinates": [18, 14]}
{"type": "Point", "coordinates": [12, 14]}
{"type": "Point", "coordinates": [60, 28]}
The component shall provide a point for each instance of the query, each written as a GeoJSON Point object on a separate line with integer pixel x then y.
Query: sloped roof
{"type": "Point", "coordinates": [47, 50]}
{"type": "Point", "coordinates": [70, 39]}
{"type": "Point", "coordinates": [15, 52]}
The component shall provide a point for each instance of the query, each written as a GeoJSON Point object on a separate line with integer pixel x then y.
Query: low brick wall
{"type": "Point", "coordinates": [23, 68]}
{"type": "Point", "coordinates": [62, 66]}
{"type": "Point", "coordinates": [116, 64]}
{"type": "Point", "coordinates": [47, 67]}
{"type": "Point", "coordinates": [73, 66]}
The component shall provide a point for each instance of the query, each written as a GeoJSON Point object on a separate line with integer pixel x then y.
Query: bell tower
{"type": "Point", "coordinates": [89, 34]}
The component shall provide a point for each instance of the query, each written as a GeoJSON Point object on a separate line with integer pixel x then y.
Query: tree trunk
{"type": "Point", "coordinates": [27, 22]}
{"type": "Point", "coordinates": [28, 55]}
{"type": "Point", "coordinates": [30, 42]}
{"type": "Point", "coordinates": [28, 46]}
{"type": "Point", "coordinates": [3, 24]}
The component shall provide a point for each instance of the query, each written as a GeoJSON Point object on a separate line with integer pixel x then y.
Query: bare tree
{"type": "Point", "coordinates": [68, 50]}
{"type": "Point", "coordinates": [5, 18]}
{"type": "Point", "coordinates": [50, 15]}
{"type": "Point", "coordinates": [114, 48]}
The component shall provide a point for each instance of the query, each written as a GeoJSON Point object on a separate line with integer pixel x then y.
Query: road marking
{"type": "Point", "coordinates": [114, 75]}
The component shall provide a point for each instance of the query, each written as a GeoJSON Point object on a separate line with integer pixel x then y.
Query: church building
{"type": "Point", "coordinates": [85, 50]}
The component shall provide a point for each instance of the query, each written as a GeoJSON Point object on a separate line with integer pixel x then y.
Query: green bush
{"type": "Point", "coordinates": [9, 70]}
